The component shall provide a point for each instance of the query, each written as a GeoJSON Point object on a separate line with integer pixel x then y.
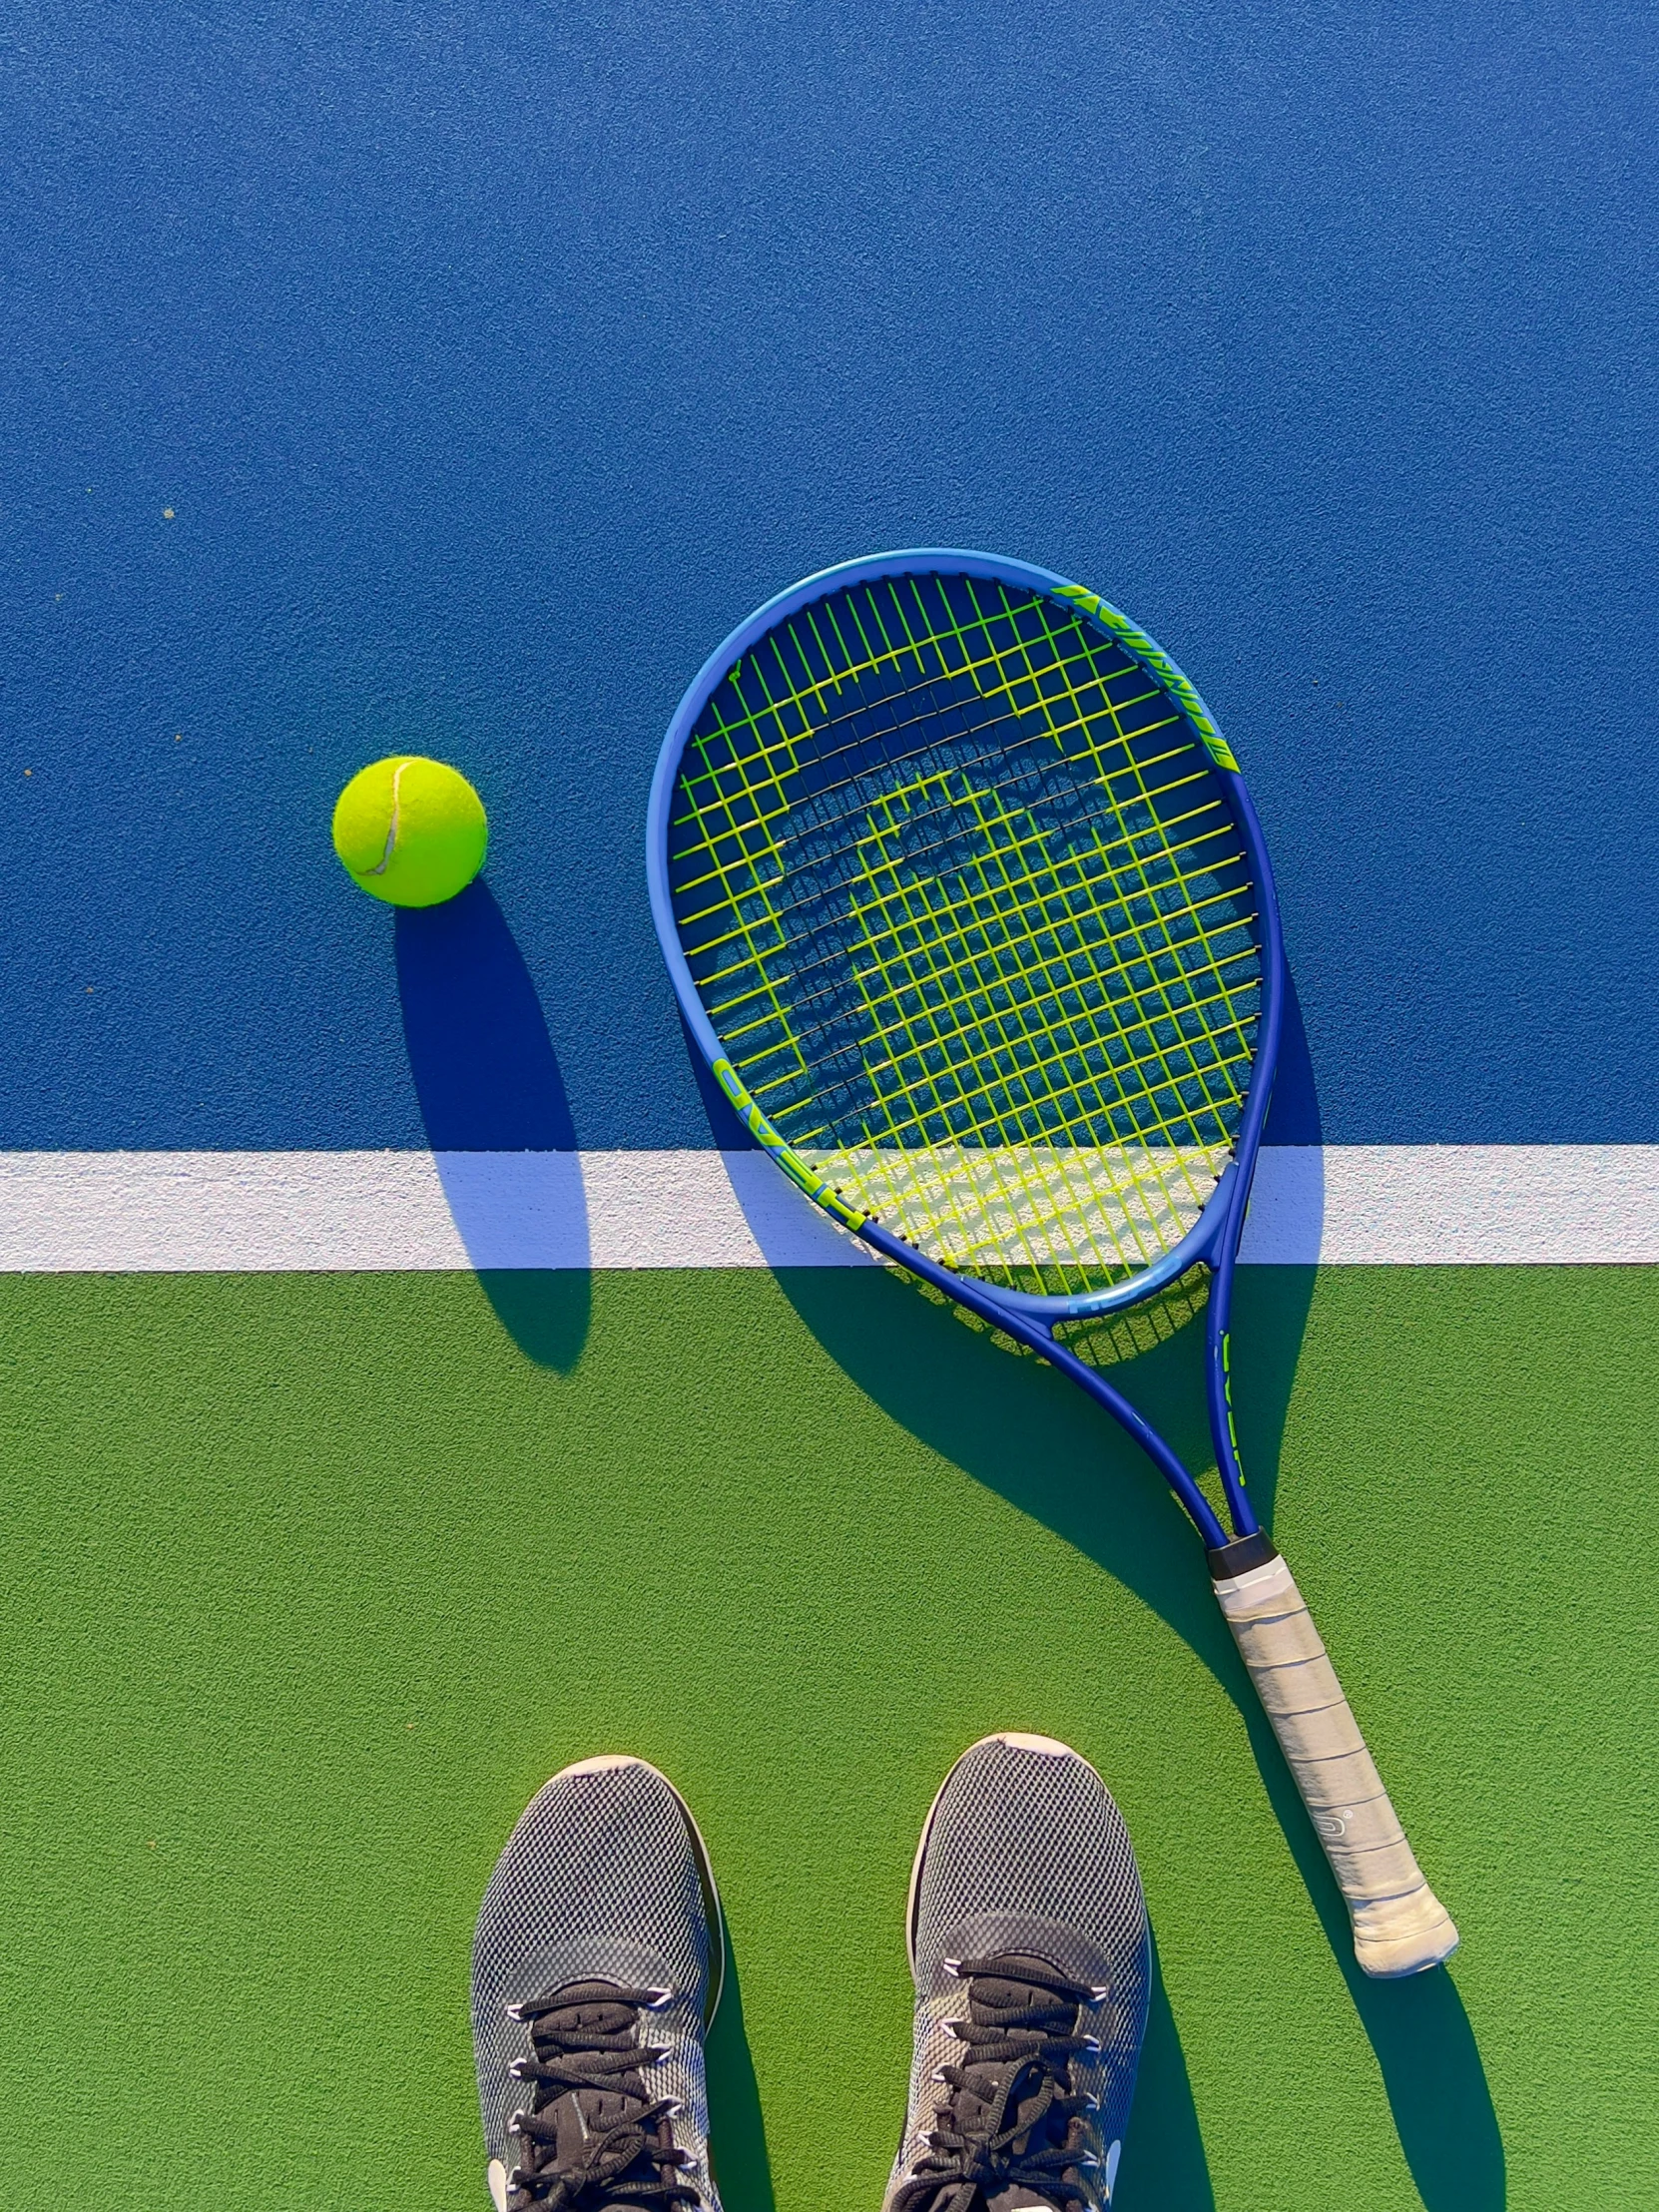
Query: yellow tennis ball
{"type": "Point", "coordinates": [410, 831]}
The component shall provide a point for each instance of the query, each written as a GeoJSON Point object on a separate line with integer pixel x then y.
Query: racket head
{"type": "Point", "coordinates": [965, 905]}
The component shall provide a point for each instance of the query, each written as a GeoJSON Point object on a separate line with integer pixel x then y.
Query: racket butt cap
{"type": "Point", "coordinates": [1404, 1945]}
{"type": "Point", "coordinates": [1239, 1556]}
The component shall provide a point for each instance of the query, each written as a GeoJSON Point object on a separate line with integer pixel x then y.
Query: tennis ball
{"type": "Point", "coordinates": [410, 831]}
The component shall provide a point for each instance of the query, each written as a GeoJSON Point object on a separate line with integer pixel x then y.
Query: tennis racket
{"type": "Point", "coordinates": [966, 903]}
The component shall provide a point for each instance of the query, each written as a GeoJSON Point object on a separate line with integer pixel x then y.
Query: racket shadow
{"type": "Point", "coordinates": [493, 1105]}
{"type": "Point", "coordinates": [1023, 1431]}
{"type": "Point", "coordinates": [1016, 1426]}
{"type": "Point", "coordinates": [1425, 2044]}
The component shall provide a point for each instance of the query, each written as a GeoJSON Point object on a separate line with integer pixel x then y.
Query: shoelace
{"type": "Point", "coordinates": [1012, 2119]}
{"type": "Point", "coordinates": [592, 2137]}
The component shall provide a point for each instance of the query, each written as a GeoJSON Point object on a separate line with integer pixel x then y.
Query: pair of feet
{"type": "Point", "coordinates": [600, 1953]}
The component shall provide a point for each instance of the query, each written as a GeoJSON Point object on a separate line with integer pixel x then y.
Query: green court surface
{"type": "Point", "coordinates": [311, 1580]}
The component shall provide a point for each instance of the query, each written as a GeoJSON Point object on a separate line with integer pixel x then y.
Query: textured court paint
{"type": "Point", "coordinates": [235, 1212]}
{"type": "Point", "coordinates": [307, 1582]}
{"type": "Point", "coordinates": [452, 378]}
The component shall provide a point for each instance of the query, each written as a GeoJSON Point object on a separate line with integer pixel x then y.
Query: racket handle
{"type": "Point", "coordinates": [1400, 1925]}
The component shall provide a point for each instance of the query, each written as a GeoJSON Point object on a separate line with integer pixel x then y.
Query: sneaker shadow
{"type": "Point", "coordinates": [1019, 1428]}
{"type": "Point", "coordinates": [1163, 2153]}
{"type": "Point", "coordinates": [1164, 2167]}
{"type": "Point", "coordinates": [736, 2129]}
{"type": "Point", "coordinates": [488, 1086]}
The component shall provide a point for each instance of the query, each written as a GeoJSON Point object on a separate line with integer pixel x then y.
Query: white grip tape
{"type": "Point", "coordinates": [1400, 1925]}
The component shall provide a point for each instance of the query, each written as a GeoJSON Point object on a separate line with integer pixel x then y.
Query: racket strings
{"type": "Point", "coordinates": [1098, 1340]}
{"type": "Point", "coordinates": [1147, 930]}
{"type": "Point", "coordinates": [746, 759]}
{"type": "Point", "coordinates": [976, 1033]}
{"type": "Point", "coordinates": [962, 900]}
{"type": "Point", "coordinates": [998, 1068]}
{"type": "Point", "coordinates": [1146, 939]}
{"type": "Point", "coordinates": [1145, 838]}
{"type": "Point", "coordinates": [776, 914]}
{"type": "Point", "coordinates": [743, 847]}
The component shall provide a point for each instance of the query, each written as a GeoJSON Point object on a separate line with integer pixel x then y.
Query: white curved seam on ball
{"type": "Point", "coordinates": [391, 827]}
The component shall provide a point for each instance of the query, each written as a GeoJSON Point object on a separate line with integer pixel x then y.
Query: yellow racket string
{"type": "Point", "coordinates": [963, 901]}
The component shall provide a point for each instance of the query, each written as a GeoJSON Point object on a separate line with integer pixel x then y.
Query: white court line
{"type": "Point", "coordinates": [249, 1212]}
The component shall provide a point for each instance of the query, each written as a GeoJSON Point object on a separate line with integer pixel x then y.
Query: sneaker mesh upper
{"type": "Point", "coordinates": [599, 1878]}
{"type": "Point", "coordinates": [1026, 1853]}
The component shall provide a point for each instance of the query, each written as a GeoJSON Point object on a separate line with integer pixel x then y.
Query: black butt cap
{"type": "Point", "coordinates": [1239, 1556]}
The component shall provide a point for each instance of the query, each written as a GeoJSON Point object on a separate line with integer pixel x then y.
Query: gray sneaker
{"type": "Point", "coordinates": [596, 1968]}
{"type": "Point", "coordinates": [1032, 1965]}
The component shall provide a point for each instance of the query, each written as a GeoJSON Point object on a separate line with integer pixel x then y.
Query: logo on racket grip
{"type": "Point", "coordinates": [793, 1166]}
{"type": "Point", "coordinates": [1332, 1825]}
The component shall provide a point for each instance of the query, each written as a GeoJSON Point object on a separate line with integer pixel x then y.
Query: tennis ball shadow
{"type": "Point", "coordinates": [738, 2140]}
{"type": "Point", "coordinates": [489, 1085]}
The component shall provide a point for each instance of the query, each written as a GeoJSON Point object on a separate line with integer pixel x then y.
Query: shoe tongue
{"type": "Point", "coordinates": [1018, 2196]}
{"type": "Point", "coordinates": [1005, 1989]}
{"type": "Point", "coordinates": [1014, 1979]}
{"type": "Point", "coordinates": [580, 2117]}
{"type": "Point", "coordinates": [586, 2023]}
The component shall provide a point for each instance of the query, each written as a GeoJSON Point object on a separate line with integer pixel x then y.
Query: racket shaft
{"type": "Point", "coordinates": [1400, 1925]}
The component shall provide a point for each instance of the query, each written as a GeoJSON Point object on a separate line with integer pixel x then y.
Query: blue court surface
{"type": "Point", "coordinates": [451, 380]}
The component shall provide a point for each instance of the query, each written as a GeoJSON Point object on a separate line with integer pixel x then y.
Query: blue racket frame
{"type": "Point", "coordinates": [1214, 1237]}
